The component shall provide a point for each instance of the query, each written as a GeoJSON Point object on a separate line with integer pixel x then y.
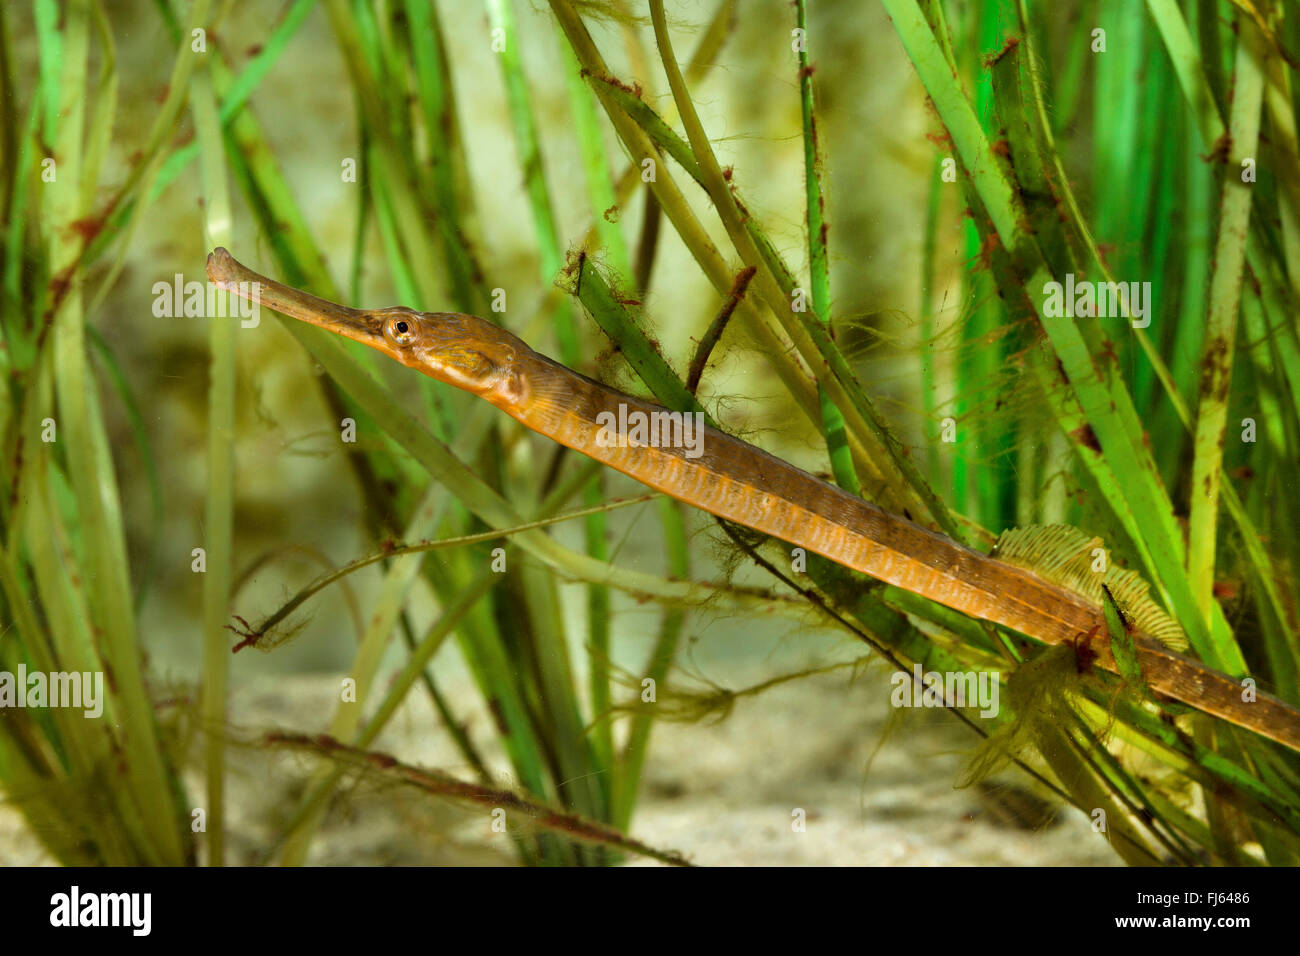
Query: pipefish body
{"type": "Point", "coordinates": [736, 481]}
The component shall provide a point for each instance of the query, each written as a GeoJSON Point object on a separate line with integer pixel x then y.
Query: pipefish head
{"type": "Point", "coordinates": [461, 350]}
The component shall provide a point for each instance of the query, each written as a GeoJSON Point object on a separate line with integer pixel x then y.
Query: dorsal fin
{"type": "Point", "coordinates": [1063, 554]}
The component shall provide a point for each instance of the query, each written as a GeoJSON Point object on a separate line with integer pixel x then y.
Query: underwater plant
{"type": "Point", "coordinates": [1070, 526]}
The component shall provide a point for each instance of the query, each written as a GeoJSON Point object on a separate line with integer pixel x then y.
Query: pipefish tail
{"type": "Point", "coordinates": [736, 481]}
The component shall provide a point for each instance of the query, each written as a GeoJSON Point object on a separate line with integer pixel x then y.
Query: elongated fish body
{"type": "Point", "coordinates": [725, 476]}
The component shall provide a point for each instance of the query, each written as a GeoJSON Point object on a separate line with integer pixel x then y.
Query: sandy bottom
{"type": "Point", "coordinates": [723, 794]}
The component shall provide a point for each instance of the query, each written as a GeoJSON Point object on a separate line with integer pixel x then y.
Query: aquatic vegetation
{"type": "Point", "coordinates": [1113, 199]}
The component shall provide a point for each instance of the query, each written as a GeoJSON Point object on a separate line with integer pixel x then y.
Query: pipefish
{"type": "Point", "coordinates": [739, 482]}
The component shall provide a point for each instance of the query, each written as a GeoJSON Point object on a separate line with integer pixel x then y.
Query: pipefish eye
{"type": "Point", "coordinates": [400, 330]}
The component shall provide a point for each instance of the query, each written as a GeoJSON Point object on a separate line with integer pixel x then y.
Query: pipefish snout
{"type": "Point", "coordinates": [732, 479]}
